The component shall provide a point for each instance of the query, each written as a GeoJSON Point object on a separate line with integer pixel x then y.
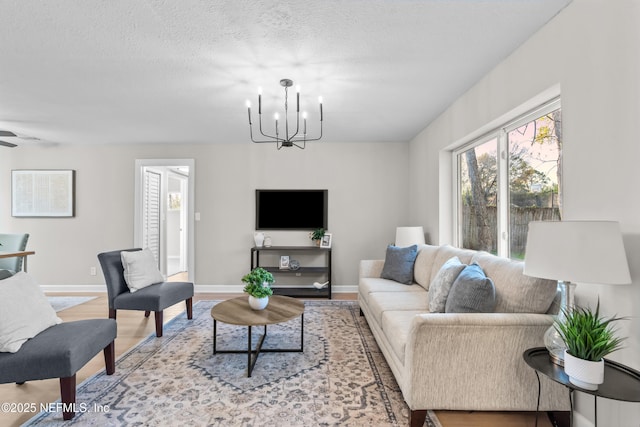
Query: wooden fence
{"type": "Point", "coordinates": [519, 219]}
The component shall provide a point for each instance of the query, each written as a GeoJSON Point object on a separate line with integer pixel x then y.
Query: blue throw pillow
{"type": "Point", "coordinates": [398, 264]}
{"type": "Point", "coordinates": [471, 292]}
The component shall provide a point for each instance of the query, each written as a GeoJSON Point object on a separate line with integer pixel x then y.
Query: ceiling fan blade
{"type": "Point", "coordinates": [6, 133]}
{"type": "Point", "coordinates": [7, 144]}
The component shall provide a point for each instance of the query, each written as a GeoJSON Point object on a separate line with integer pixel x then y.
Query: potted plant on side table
{"type": "Point", "coordinates": [258, 286]}
{"type": "Point", "coordinates": [588, 338]}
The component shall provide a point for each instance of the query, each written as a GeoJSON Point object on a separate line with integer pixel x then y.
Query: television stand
{"type": "Point", "coordinates": [303, 277]}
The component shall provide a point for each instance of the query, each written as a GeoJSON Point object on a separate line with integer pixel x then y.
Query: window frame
{"type": "Point", "coordinates": [499, 133]}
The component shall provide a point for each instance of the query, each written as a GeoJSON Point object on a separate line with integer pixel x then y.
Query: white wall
{"type": "Point", "coordinates": [367, 183]}
{"type": "Point", "coordinates": [592, 51]}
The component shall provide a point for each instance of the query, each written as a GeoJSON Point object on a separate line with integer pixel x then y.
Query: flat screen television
{"type": "Point", "coordinates": [291, 209]}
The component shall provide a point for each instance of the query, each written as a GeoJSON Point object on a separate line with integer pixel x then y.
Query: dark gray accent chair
{"type": "Point", "coordinates": [12, 243]}
{"type": "Point", "coordinates": [154, 298]}
{"type": "Point", "coordinates": [60, 352]}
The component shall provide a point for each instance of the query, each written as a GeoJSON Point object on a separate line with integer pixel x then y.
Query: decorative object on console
{"type": "Point", "coordinates": [294, 264]}
{"type": "Point", "coordinates": [267, 241]}
{"type": "Point", "coordinates": [588, 337]}
{"type": "Point", "coordinates": [326, 240]}
{"type": "Point", "coordinates": [284, 262]}
{"type": "Point", "coordinates": [285, 140]}
{"type": "Point", "coordinates": [320, 285]}
{"type": "Point", "coordinates": [317, 235]}
{"type": "Point", "coordinates": [407, 236]}
{"type": "Point", "coordinates": [258, 286]}
{"type": "Point", "coordinates": [574, 251]}
{"type": "Point", "coordinates": [258, 238]}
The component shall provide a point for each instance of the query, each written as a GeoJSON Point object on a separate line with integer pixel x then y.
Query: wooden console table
{"type": "Point", "coordinates": [305, 288]}
{"type": "Point", "coordinates": [18, 254]}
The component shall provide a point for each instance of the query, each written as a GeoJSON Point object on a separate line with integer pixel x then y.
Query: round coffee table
{"type": "Point", "coordinates": [237, 311]}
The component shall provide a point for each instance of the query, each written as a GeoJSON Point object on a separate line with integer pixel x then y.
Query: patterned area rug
{"type": "Point", "coordinates": [62, 303]}
{"type": "Point", "coordinates": [340, 379]}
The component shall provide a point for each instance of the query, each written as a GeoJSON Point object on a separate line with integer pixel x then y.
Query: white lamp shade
{"type": "Point", "coordinates": [577, 251]}
{"type": "Point", "coordinates": [409, 236]}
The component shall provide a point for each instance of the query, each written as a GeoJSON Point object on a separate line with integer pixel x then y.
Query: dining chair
{"type": "Point", "coordinates": [12, 243]}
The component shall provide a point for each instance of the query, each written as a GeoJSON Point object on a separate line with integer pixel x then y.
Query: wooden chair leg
{"type": "Point", "coordinates": [189, 302]}
{"type": "Point", "coordinates": [417, 417]}
{"type": "Point", "coordinates": [158, 315]}
{"type": "Point", "coordinates": [68, 396]}
{"type": "Point", "coordinates": [112, 313]}
{"type": "Point", "coordinates": [110, 358]}
{"type": "Point", "coordinates": [147, 313]}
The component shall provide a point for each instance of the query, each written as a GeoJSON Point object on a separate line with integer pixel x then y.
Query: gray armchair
{"type": "Point", "coordinates": [12, 243]}
{"type": "Point", "coordinates": [60, 352]}
{"type": "Point", "coordinates": [154, 298]}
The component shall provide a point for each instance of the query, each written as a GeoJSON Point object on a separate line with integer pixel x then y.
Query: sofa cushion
{"type": "Point", "coordinates": [381, 302]}
{"type": "Point", "coordinates": [515, 292]}
{"type": "Point", "coordinates": [445, 253]}
{"type": "Point", "coordinates": [424, 264]}
{"type": "Point", "coordinates": [140, 269]}
{"type": "Point", "coordinates": [370, 285]}
{"type": "Point", "coordinates": [442, 282]}
{"type": "Point", "coordinates": [472, 292]}
{"type": "Point", "coordinates": [398, 264]}
{"type": "Point", "coordinates": [24, 311]}
{"type": "Point", "coordinates": [396, 325]}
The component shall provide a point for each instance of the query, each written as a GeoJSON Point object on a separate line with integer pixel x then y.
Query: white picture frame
{"type": "Point", "coordinates": [284, 262]}
{"type": "Point", "coordinates": [325, 242]}
{"type": "Point", "coordinates": [43, 193]}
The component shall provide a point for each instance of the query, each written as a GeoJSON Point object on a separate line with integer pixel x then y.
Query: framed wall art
{"type": "Point", "coordinates": [43, 193]}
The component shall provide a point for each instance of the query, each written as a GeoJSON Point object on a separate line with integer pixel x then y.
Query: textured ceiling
{"type": "Point", "coordinates": [134, 71]}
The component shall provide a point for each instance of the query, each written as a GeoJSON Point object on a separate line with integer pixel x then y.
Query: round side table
{"type": "Point", "coordinates": [620, 381]}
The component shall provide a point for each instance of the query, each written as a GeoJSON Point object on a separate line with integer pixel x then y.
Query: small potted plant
{"type": "Point", "coordinates": [588, 337]}
{"type": "Point", "coordinates": [258, 286]}
{"type": "Point", "coordinates": [317, 235]}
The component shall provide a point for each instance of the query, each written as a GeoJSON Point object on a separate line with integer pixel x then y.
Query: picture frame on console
{"type": "Point", "coordinates": [325, 242]}
{"type": "Point", "coordinates": [284, 262]}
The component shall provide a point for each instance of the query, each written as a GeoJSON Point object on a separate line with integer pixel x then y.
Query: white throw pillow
{"type": "Point", "coordinates": [442, 283]}
{"type": "Point", "coordinates": [24, 311]}
{"type": "Point", "coordinates": [140, 269]}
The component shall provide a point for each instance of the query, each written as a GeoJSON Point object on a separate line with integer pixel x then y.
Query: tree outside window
{"type": "Point", "coordinates": [529, 179]}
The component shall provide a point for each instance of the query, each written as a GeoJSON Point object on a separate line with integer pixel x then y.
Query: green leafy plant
{"type": "Point", "coordinates": [255, 281]}
{"type": "Point", "coordinates": [317, 234]}
{"type": "Point", "coordinates": [586, 334]}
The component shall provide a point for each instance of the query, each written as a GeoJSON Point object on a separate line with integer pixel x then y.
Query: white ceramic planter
{"type": "Point", "coordinates": [584, 373]}
{"type": "Point", "coordinates": [258, 303]}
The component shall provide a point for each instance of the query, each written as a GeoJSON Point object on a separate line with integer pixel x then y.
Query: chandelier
{"type": "Point", "coordinates": [298, 137]}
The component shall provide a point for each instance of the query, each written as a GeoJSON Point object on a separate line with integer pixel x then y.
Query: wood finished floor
{"type": "Point", "coordinates": [133, 327]}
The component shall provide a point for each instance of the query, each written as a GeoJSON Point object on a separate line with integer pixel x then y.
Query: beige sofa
{"type": "Point", "coordinates": [471, 361]}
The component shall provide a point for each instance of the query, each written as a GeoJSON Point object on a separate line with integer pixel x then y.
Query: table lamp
{"type": "Point", "coordinates": [409, 236]}
{"type": "Point", "coordinates": [574, 251]}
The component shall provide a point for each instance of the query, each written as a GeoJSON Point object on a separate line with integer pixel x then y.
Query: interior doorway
{"type": "Point", "coordinates": [163, 217]}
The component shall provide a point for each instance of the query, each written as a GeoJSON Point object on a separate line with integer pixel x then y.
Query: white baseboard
{"type": "Point", "coordinates": [74, 288]}
{"type": "Point", "coordinates": [213, 289]}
